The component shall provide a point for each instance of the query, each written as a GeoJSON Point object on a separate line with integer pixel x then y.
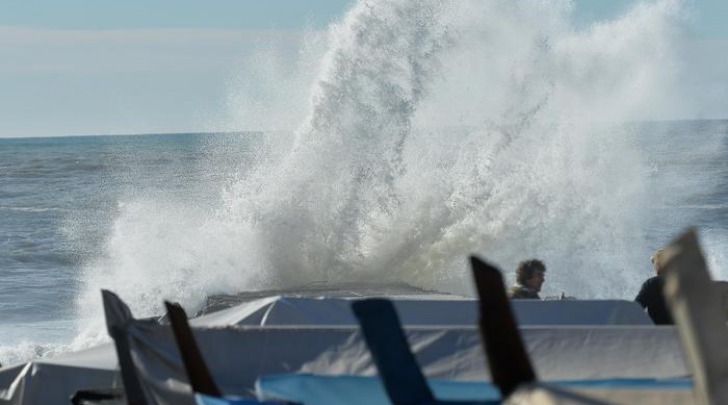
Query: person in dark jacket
{"type": "Point", "coordinates": [651, 296]}
{"type": "Point", "coordinates": [530, 276]}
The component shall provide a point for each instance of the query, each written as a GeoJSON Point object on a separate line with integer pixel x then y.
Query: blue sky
{"type": "Point", "coordinates": [81, 67]}
{"type": "Point", "coordinates": [111, 14]}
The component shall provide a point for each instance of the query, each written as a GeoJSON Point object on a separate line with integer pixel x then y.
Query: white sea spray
{"type": "Point", "coordinates": [434, 130]}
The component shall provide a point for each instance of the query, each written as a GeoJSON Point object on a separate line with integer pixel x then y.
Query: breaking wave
{"type": "Point", "coordinates": [434, 130]}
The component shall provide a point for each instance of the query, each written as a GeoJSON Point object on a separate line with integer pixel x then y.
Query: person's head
{"type": "Point", "coordinates": [531, 273]}
{"type": "Point", "coordinates": [658, 261]}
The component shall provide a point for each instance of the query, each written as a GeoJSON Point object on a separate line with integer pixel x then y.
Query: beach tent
{"type": "Point", "coordinates": [298, 320]}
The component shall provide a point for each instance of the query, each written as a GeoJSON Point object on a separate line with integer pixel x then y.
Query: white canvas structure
{"type": "Point", "coordinates": [283, 334]}
{"type": "Point", "coordinates": [54, 380]}
{"type": "Point", "coordinates": [431, 310]}
{"type": "Point", "coordinates": [237, 356]}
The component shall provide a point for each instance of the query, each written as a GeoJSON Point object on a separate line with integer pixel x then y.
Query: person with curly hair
{"type": "Point", "coordinates": [530, 276]}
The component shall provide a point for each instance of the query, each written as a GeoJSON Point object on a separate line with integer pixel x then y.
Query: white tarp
{"type": "Point", "coordinates": [431, 311]}
{"type": "Point", "coordinates": [50, 381]}
{"type": "Point", "coordinates": [238, 355]}
{"type": "Point", "coordinates": [54, 380]}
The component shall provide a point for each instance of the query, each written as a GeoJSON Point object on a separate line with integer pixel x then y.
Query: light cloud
{"type": "Point", "coordinates": [87, 81]}
{"type": "Point", "coordinates": [69, 82]}
{"type": "Point", "coordinates": [26, 50]}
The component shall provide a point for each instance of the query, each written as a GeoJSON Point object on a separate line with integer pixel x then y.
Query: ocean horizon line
{"type": "Point", "coordinates": [120, 135]}
{"type": "Point", "coordinates": [262, 131]}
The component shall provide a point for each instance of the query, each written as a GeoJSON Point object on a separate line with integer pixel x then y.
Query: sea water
{"type": "Point", "coordinates": [433, 130]}
{"type": "Point", "coordinates": [59, 201]}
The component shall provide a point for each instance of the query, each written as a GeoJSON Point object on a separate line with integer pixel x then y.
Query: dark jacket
{"type": "Point", "coordinates": [651, 297]}
{"type": "Point", "coordinates": [519, 291]}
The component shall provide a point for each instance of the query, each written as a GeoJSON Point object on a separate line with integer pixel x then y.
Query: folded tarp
{"type": "Point", "coordinates": [358, 390]}
{"type": "Point", "coordinates": [579, 312]}
{"type": "Point", "coordinates": [444, 310]}
{"type": "Point", "coordinates": [53, 380]}
{"type": "Point", "coordinates": [237, 356]}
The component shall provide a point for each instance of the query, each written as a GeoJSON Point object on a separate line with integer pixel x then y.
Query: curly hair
{"type": "Point", "coordinates": [527, 268]}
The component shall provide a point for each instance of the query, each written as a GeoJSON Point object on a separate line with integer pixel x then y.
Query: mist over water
{"type": "Point", "coordinates": [440, 129]}
{"type": "Point", "coordinates": [434, 130]}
